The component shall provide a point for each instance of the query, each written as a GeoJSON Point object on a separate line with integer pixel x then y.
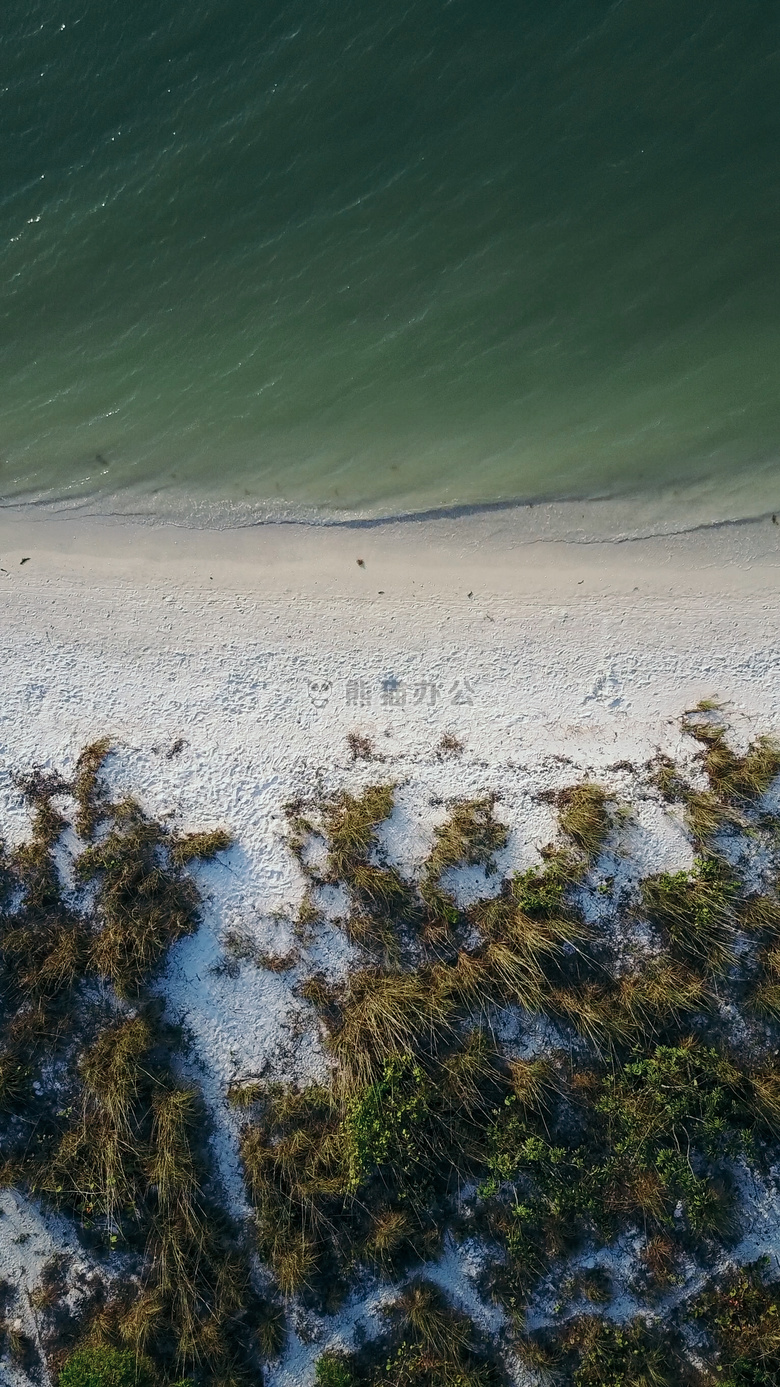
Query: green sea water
{"type": "Point", "coordinates": [339, 258]}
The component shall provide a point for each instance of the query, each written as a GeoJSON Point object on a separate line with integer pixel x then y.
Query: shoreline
{"type": "Point", "coordinates": [670, 511]}
{"type": "Point", "coordinates": [487, 554]}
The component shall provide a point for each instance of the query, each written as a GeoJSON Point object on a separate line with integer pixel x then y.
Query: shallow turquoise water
{"type": "Point", "coordinates": [341, 257]}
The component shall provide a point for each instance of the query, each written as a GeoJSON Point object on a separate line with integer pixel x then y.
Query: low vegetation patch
{"type": "Point", "coordinates": [643, 1091]}
{"type": "Point", "coordinates": [106, 1367]}
{"type": "Point", "coordinates": [425, 1343]}
{"type": "Point", "coordinates": [117, 1144]}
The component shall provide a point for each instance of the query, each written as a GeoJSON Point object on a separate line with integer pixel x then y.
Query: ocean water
{"type": "Point", "coordinates": [338, 258]}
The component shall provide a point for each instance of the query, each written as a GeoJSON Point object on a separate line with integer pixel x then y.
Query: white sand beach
{"type": "Point", "coordinates": [228, 668]}
{"type": "Point", "coordinates": [270, 642]}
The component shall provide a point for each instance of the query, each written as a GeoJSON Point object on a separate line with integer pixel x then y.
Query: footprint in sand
{"type": "Point", "coordinates": [606, 690]}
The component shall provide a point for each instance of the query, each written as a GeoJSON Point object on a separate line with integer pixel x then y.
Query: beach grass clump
{"type": "Point", "coordinates": [145, 901]}
{"type": "Point", "coordinates": [534, 936]}
{"type": "Point", "coordinates": [245, 1095]}
{"type": "Point", "coordinates": [706, 815]}
{"type": "Point", "coordinates": [431, 1343]}
{"type": "Point", "coordinates": [368, 1175]}
{"type": "Point", "coordinates": [44, 943]}
{"type": "Point", "coordinates": [636, 1007]}
{"type": "Point", "coordinates": [584, 817]}
{"type": "Point", "coordinates": [88, 787]}
{"type": "Point", "coordinates": [382, 904]}
{"type": "Point", "coordinates": [533, 1082]}
{"type": "Point", "coordinates": [350, 823]}
{"type": "Point", "coordinates": [470, 836]}
{"type": "Point", "coordinates": [662, 996]}
{"type": "Point", "coordinates": [531, 912]}
{"type": "Point", "coordinates": [380, 1015]}
{"type": "Point", "coordinates": [593, 1010]}
{"type": "Point", "coordinates": [760, 915]}
{"type": "Point", "coordinates": [736, 783]}
{"type": "Point", "coordinates": [297, 1180]}
{"type": "Point", "coordinates": [659, 1267]}
{"type": "Point", "coordinates": [764, 1000]}
{"type": "Point", "coordinates": [97, 1166]}
{"type": "Point", "coordinates": [43, 940]}
{"type": "Point", "coordinates": [128, 1167]}
{"type": "Point", "coordinates": [695, 911]}
{"type": "Point", "coordinates": [733, 778]}
{"type": "Point", "coordinates": [199, 847]}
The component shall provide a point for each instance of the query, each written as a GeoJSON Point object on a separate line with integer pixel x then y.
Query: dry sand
{"type": "Point", "coordinates": [267, 644]}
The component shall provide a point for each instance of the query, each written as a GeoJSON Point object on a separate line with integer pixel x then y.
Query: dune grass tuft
{"type": "Point", "coordinates": [382, 905]}
{"type": "Point", "coordinates": [695, 911]}
{"type": "Point", "coordinates": [470, 837]}
{"type": "Point", "coordinates": [584, 817]}
{"type": "Point", "coordinates": [380, 1016]}
{"type": "Point", "coordinates": [365, 1175]}
{"type": "Point", "coordinates": [146, 903]}
{"type": "Point", "coordinates": [736, 783]}
{"type": "Point", "coordinates": [88, 788]}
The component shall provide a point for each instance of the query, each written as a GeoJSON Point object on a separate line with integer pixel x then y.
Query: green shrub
{"type": "Point", "coordinates": [627, 1355]}
{"type": "Point", "coordinates": [743, 1316]}
{"type": "Point", "coordinates": [333, 1370]}
{"type": "Point", "coordinates": [387, 1122]}
{"type": "Point", "coordinates": [106, 1367]}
